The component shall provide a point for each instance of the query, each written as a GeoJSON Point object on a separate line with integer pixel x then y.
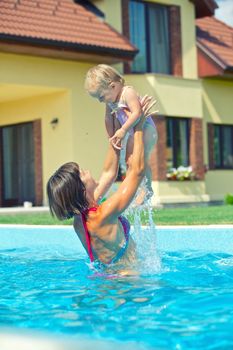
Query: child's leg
{"type": "Point", "coordinates": [150, 140]}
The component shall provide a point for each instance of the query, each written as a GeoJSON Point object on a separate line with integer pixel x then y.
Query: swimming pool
{"type": "Point", "coordinates": [186, 303]}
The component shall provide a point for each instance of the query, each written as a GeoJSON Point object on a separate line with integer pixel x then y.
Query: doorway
{"type": "Point", "coordinates": [17, 164]}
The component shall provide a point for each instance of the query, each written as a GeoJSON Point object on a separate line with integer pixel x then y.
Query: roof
{"type": "Point", "coordinates": [58, 24]}
{"type": "Point", "coordinates": [215, 40]}
{"type": "Point", "coordinates": [204, 8]}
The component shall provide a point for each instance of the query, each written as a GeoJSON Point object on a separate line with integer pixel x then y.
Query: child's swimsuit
{"type": "Point", "coordinates": [126, 228]}
{"type": "Point", "coordinates": [118, 109]}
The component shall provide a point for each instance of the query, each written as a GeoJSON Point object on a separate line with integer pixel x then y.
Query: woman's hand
{"type": "Point", "coordinates": [147, 102]}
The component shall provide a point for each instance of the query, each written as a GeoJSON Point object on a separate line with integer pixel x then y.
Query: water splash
{"type": "Point", "coordinates": [149, 259]}
{"type": "Point", "coordinates": [145, 239]}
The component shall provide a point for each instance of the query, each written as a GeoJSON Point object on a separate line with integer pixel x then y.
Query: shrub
{"type": "Point", "coordinates": [228, 199]}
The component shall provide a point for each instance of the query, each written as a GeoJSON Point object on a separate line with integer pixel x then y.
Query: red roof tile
{"type": "Point", "coordinates": [64, 22]}
{"type": "Point", "coordinates": [215, 38]}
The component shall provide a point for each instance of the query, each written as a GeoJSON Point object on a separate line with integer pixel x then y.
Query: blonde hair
{"type": "Point", "coordinates": [101, 76]}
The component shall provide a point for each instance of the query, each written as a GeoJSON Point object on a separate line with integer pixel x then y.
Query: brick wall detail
{"type": "Point", "coordinates": [175, 40]}
{"type": "Point", "coordinates": [196, 148]}
{"type": "Point", "coordinates": [38, 162]}
{"type": "Point", "coordinates": [158, 156]}
{"type": "Point", "coordinates": [125, 29]}
{"type": "Point", "coordinates": [210, 130]}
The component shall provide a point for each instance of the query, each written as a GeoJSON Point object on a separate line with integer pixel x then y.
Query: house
{"type": "Point", "coordinates": [46, 117]}
{"type": "Point", "coordinates": [215, 64]}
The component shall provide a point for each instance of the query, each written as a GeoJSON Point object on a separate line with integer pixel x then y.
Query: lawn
{"type": "Point", "coordinates": [211, 215]}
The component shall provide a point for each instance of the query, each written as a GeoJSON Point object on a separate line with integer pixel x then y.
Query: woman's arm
{"type": "Point", "coordinates": [109, 173]}
{"type": "Point", "coordinates": [121, 199]}
{"type": "Point", "coordinates": [111, 163]}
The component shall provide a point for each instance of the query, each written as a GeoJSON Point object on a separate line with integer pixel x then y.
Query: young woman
{"type": "Point", "coordinates": [102, 230]}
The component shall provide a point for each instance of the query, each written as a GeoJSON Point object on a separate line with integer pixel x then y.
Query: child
{"type": "Point", "coordinates": [123, 111]}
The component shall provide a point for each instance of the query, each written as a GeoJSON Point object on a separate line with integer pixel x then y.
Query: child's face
{"type": "Point", "coordinates": [108, 94]}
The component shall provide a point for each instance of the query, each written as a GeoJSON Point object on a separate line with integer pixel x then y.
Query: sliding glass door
{"type": "Point", "coordinates": [17, 158]}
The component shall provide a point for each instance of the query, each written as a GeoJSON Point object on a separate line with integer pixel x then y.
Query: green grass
{"type": "Point", "coordinates": [168, 216]}
{"type": "Point", "coordinates": [213, 215]}
{"type": "Point", "coordinates": [32, 219]}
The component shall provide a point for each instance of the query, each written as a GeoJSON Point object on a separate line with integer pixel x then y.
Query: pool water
{"type": "Point", "coordinates": [182, 298]}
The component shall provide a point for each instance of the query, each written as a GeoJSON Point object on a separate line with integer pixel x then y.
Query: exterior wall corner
{"type": "Point", "coordinates": [196, 152]}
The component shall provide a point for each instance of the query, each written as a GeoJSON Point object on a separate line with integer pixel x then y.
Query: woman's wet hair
{"type": "Point", "coordinates": [66, 192]}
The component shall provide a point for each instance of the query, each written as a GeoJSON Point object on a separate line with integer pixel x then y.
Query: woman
{"type": "Point", "coordinates": [72, 192]}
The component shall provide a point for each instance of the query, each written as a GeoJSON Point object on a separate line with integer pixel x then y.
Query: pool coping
{"type": "Point", "coordinates": [211, 238]}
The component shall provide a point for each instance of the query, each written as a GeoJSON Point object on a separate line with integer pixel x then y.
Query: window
{"type": "Point", "coordinates": [149, 31]}
{"type": "Point", "coordinates": [223, 146]}
{"type": "Point", "coordinates": [177, 150]}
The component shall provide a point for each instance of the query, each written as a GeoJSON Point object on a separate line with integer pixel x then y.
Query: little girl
{"type": "Point", "coordinates": [123, 111]}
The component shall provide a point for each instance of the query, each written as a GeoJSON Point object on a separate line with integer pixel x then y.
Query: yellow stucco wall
{"type": "Point", "coordinates": [219, 183]}
{"type": "Point", "coordinates": [179, 192]}
{"type": "Point", "coordinates": [176, 96]}
{"type": "Point", "coordinates": [43, 88]}
{"type": "Point", "coordinates": [217, 108]}
{"type": "Point", "coordinates": [45, 107]}
{"type": "Point", "coordinates": [217, 101]}
{"type": "Point", "coordinates": [112, 10]}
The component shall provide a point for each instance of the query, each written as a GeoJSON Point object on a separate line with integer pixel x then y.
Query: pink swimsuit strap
{"type": "Point", "coordinates": [87, 235]}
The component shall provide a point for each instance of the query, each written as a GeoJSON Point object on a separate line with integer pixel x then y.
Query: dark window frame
{"type": "Point", "coordinates": [146, 5]}
{"type": "Point", "coordinates": [175, 121]}
{"type": "Point", "coordinates": [221, 146]}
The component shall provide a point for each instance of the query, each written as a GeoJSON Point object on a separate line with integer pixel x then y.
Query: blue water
{"type": "Point", "coordinates": [182, 298]}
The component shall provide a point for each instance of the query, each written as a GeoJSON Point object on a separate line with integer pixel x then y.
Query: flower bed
{"type": "Point", "coordinates": [181, 174]}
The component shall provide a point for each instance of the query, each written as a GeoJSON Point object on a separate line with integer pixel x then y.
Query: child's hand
{"type": "Point", "coordinates": [117, 138]}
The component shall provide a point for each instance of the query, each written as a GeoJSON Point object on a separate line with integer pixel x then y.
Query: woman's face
{"type": "Point", "coordinates": [88, 180]}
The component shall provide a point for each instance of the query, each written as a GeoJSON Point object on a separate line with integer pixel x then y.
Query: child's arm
{"type": "Point", "coordinates": [135, 109]}
{"type": "Point", "coordinates": [111, 123]}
